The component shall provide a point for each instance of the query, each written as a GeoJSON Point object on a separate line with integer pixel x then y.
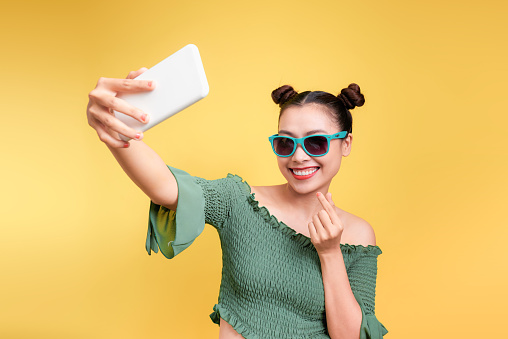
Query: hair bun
{"type": "Point", "coordinates": [351, 96]}
{"type": "Point", "coordinates": [282, 94]}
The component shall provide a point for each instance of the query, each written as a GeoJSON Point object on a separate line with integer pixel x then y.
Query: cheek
{"type": "Point", "coordinates": [281, 162]}
{"type": "Point", "coordinates": [332, 163]}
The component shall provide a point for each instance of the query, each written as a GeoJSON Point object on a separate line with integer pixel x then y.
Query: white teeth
{"type": "Point", "coordinates": [306, 172]}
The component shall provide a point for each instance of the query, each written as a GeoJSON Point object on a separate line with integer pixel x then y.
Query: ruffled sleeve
{"type": "Point", "coordinates": [199, 201]}
{"type": "Point", "coordinates": [362, 275]}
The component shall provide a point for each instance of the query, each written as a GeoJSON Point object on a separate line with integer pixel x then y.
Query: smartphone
{"type": "Point", "coordinates": [180, 81]}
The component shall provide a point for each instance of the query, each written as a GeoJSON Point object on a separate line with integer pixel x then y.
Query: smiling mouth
{"type": "Point", "coordinates": [304, 173]}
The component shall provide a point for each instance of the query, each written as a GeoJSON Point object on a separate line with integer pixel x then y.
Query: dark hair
{"type": "Point", "coordinates": [348, 98]}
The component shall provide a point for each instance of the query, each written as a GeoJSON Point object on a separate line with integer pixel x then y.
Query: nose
{"type": "Point", "coordinates": [300, 155]}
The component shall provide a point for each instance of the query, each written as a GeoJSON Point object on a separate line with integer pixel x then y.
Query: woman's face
{"type": "Point", "coordinates": [304, 173]}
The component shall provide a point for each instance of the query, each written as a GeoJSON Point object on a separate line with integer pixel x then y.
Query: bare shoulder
{"type": "Point", "coordinates": [264, 192]}
{"type": "Point", "coordinates": [357, 231]}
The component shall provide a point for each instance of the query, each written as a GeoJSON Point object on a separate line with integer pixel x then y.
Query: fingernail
{"type": "Point", "coordinates": [126, 145]}
{"type": "Point", "coordinates": [143, 117]}
{"type": "Point", "coordinates": [138, 136]}
{"type": "Point", "coordinates": [149, 83]}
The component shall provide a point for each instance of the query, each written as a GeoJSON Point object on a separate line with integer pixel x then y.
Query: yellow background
{"type": "Point", "coordinates": [427, 170]}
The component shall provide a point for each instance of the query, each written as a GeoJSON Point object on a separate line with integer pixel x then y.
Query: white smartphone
{"type": "Point", "coordinates": [180, 81]}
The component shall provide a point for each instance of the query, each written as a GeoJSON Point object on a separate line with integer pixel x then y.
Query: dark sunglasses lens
{"type": "Point", "coordinates": [316, 145]}
{"type": "Point", "coordinates": [283, 146]}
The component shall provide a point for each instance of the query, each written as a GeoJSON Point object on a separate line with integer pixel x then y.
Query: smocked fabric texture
{"type": "Point", "coordinates": [271, 283]}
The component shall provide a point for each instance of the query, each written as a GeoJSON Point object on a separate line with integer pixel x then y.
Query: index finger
{"type": "Point", "coordinates": [326, 205]}
{"type": "Point", "coordinates": [328, 208]}
{"type": "Point", "coordinates": [126, 85]}
{"type": "Point", "coordinates": [134, 74]}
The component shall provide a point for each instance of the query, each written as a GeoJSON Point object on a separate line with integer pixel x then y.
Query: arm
{"type": "Point", "coordinates": [199, 201]}
{"type": "Point", "coordinates": [143, 166]}
{"type": "Point", "coordinates": [149, 172]}
{"type": "Point", "coordinates": [362, 275]}
{"type": "Point", "coordinates": [340, 301]}
{"type": "Point", "coordinates": [344, 315]}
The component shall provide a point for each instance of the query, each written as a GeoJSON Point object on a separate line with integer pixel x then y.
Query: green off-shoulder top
{"type": "Point", "coordinates": [271, 284]}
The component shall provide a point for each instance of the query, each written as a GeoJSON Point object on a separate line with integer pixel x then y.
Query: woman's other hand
{"type": "Point", "coordinates": [102, 102]}
{"type": "Point", "coordinates": [326, 227]}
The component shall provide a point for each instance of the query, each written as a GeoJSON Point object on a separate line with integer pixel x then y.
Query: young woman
{"type": "Point", "coordinates": [294, 264]}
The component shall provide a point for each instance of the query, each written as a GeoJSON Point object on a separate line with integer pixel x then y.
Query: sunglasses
{"type": "Point", "coordinates": [315, 145]}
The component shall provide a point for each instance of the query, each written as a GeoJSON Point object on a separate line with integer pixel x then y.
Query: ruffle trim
{"type": "Point", "coordinates": [281, 226]}
{"type": "Point", "coordinates": [231, 319]}
{"type": "Point", "coordinates": [372, 328]}
{"type": "Point", "coordinates": [173, 231]}
{"type": "Point", "coordinates": [369, 249]}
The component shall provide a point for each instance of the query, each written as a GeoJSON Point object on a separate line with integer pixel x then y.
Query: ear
{"type": "Point", "coordinates": [346, 144]}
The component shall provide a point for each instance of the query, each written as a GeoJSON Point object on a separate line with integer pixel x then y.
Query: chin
{"type": "Point", "coordinates": [307, 186]}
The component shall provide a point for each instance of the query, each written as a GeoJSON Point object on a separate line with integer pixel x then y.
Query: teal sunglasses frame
{"type": "Point", "coordinates": [300, 141]}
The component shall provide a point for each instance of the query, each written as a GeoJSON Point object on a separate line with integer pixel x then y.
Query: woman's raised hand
{"type": "Point", "coordinates": [103, 100]}
{"type": "Point", "coordinates": [326, 227]}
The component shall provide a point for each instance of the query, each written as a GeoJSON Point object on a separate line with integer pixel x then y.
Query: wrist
{"type": "Point", "coordinates": [330, 255]}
